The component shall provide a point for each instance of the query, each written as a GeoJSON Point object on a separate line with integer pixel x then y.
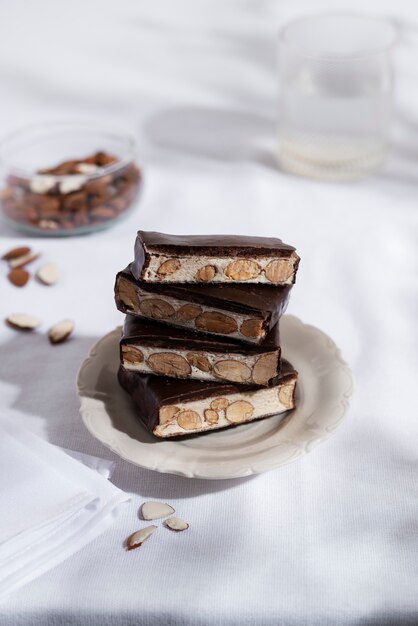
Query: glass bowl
{"type": "Point", "coordinates": [71, 178]}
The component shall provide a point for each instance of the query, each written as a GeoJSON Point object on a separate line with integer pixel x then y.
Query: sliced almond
{"type": "Point", "coordinates": [60, 331]}
{"type": "Point", "coordinates": [48, 274]}
{"type": "Point", "coordinates": [168, 413]}
{"type": "Point", "coordinates": [206, 273]}
{"type": "Point", "coordinates": [87, 168]}
{"type": "Point", "coordinates": [25, 259]}
{"type": "Point", "coordinates": [127, 293]}
{"type": "Point", "coordinates": [15, 253]}
{"type": "Point", "coordinates": [156, 510]}
{"type": "Point", "coordinates": [280, 270]}
{"type": "Point", "coordinates": [42, 184]}
{"type": "Point", "coordinates": [137, 539]}
{"type": "Point", "coordinates": [219, 404]}
{"type": "Point", "coordinates": [252, 328]}
{"type": "Point", "coordinates": [239, 411]}
{"type": "Point", "coordinates": [200, 361]}
{"type": "Point", "coordinates": [265, 368]}
{"type": "Point", "coordinates": [243, 269]}
{"type": "Point", "coordinates": [188, 312]}
{"type": "Point", "coordinates": [211, 416]}
{"type": "Point", "coordinates": [189, 420]}
{"type": "Point", "coordinates": [132, 355]}
{"type": "Point", "coordinates": [72, 183]}
{"type": "Point", "coordinates": [18, 277]}
{"type": "Point", "coordinates": [175, 523]}
{"type": "Point", "coordinates": [232, 370]}
{"type": "Point", "coordinates": [169, 267]}
{"type": "Point", "coordinates": [215, 322]}
{"type": "Point", "coordinates": [286, 394]}
{"type": "Point", "coordinates": [22, 321]}
{"type": "Point", "coordinates": [156, 308]}
{"type": "Point", "coordinates": [169, 364]}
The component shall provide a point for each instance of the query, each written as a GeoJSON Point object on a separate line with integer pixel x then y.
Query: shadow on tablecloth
{"type": "Point", "coordinates": [40, 383]}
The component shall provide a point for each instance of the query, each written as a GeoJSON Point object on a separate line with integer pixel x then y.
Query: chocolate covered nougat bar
{"type": "Point", "coordinates": [243, 312]}
{"type": "Point", "coordinates": [170, 407]}
{"type": "Point", "coordinates": [161, 258]}
{"type": "Point", "coordinates": [148, 347]}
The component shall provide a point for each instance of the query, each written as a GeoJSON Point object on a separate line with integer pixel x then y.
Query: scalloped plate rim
{"type": "Point", "coordinates": [90, 411]}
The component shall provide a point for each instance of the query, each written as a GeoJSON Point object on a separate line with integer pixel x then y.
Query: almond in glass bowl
{"type": "Point", "coordinates": [67, 178]}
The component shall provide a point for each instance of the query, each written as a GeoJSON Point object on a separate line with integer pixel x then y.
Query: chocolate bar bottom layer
{"type": "Point", "coordinates": [173, 408]}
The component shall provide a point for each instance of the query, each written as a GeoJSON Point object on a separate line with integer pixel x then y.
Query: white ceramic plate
{"type": "Point", "coordinates": [323, 391]}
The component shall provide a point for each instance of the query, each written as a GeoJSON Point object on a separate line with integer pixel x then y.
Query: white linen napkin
{"type": "Point", "coordinates": [52, 505]}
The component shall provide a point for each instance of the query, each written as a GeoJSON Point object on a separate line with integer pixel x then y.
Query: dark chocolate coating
{"type": "Point", "coordinates": [261, 301]}
{"type": "Point", "coordinates": [150, 392]}
{"type": "Point", "coordinates": [142, 332]}
{"type": "Point", "coordinates": [208, 245]}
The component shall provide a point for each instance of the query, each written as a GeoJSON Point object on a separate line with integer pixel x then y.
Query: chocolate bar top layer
{"type": "Point", "coordinates": [258, 300]}
{"type": "Point", "coordinates": [213, 259]}
{"type": "Point", "coordinates": [212, 245]}
{"type": "Point", "coordinates": [138, 331]}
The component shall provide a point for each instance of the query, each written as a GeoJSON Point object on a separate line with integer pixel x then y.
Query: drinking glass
{"type": "Point", "coordinates": [336, 95]}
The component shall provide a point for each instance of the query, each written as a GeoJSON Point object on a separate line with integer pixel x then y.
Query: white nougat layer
{"type": "Point", "coordinates": [196, 373]}
{"type": "Point", "coordinates": [265, 402]}
{"type": "Point", "coordinates": [190, 265]}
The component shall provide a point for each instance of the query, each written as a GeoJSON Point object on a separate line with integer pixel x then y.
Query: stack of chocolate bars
{"type": "Point", "coordinates": [200, 348]}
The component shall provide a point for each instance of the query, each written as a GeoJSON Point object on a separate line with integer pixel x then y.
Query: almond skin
{"type": "Point", "coordinates": [214, 322]}
{"type": "Point", "coordinates": [25, 259]}
{"type": "Point", "coordinates": [236, 371]}
{"type": "Point", "coordinates": [252, 328]}
{"type": "Point", "coordinates": [169, 364]}
{"type": "Point", "coordinates": [188, 312]}
{"type": "Point", "coordinates": [127, 294]}
{"type": "Point", "coordinates": [265, 368]}
{"type": "Point", "coordinates": [137, 539]}
{"type": "Point", "coordinates": [132, 355]}
{"type": "Point", "coordinates": [18, 277]}
{"type": "Point", "coordinates": [199, 361]}
{"type": "Point", "coordinates": [156, 308]}
{"type": "Point", "coordinates": [15, 253]}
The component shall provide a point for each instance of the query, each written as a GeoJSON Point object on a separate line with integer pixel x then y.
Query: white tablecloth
{"type": "Point", "coordinates": [331, 539]}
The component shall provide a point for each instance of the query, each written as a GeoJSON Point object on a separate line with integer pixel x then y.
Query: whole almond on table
{"type": "Point", "coordinates": [156, 510]}
{"type": "Point", "coordinates": [177, 524]}
{"type": "Point", "coordinates": [137, 539]}
{"type": "Point", "coordinates": [60, 331]}
{"type": "Point", "coordinates": [15, 253]}
{"type": "Point", "coordinates": [48, 274]}
{"type": "Point", "coordinates": [18, 277]}
{"type": "Point", "coordinates": [23, 321]}
{"type": "Point", "coordinates": [25, 259]}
